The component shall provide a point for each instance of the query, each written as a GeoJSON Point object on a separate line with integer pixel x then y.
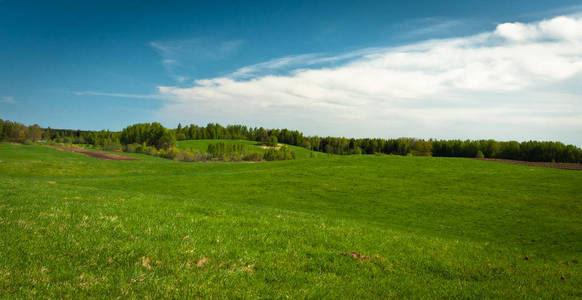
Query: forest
{"type": "Point", "coordinates": [155, 139]}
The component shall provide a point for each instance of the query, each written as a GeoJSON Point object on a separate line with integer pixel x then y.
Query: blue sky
{"type": "Point", "coordinates": [345, 68]}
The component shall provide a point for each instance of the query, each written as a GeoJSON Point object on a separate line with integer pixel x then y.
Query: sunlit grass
{"type": "Point", "coordinates": [72, 225]}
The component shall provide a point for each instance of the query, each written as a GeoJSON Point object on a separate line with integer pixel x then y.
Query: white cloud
{"type": "Point", "coordinates": [517, 32]}
{"type": "Point", "coordinates": [559, 28]}
{"type": "Point", "coordinates": [563, 28]}
{"type": "Point", "coordinates": [519, 81]}
{"type": "Point", "coordinates": [7, 100]}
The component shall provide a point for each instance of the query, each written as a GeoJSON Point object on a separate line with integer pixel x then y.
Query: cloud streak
{"type": "Point", "coordinates": [7, 100]}
{"type": "Point", "coordinates": [122, 95]}
{"type": "Point", "coordinates": [298, 62]}
{"type": "Point", "coordinates": [518, 81]}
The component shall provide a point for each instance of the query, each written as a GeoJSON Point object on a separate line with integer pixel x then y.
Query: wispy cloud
{"type": "Point", "coordinates": [432, 26]}
{"type": "Point", "coordinates": [275, 64]}
{"type": "Point", "coordinates": [7, 100]}
{"type": "Point", "coordinates": [182, 57]}
{"type": "Point", "coordinates": [122, 95]}
{"type": "Point", "coordinates": [293, 63]}
{"type": "Point", "coordinates": [518, 81]}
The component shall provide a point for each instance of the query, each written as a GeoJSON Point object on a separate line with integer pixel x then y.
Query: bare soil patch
{"type": "Point", "coordinates": [566, 166]}
{"type": "Point", "coordinates": [96, 154]}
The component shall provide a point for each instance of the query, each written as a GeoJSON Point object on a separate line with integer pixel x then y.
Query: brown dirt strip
{"type": "Point", "coordinates": [566, 166]}
{"type": "Point", "coordinates": [99, 155]}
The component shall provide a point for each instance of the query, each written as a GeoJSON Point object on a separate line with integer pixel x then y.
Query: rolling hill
{"type": "Point", "coordinates": [361, 226]}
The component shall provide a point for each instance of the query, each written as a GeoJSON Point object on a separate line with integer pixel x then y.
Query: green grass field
{"type": "Point", "coordinates": [75, 226]}
{"type": "Point", "coordinates": [202, 146]}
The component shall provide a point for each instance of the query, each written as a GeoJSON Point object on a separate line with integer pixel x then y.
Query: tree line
{"type": "Point", "coordinates": [528, 150]}
{"type": "Point", "coordinates": [20, 133]}
{"type": "Point", "coordinates": [155, 136]}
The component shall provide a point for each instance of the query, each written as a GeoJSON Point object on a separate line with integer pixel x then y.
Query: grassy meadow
{"type": "Point", "coordinates": [75, 226]}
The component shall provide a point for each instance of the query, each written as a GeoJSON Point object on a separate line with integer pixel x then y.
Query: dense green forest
{"type": "Point", "coordinates": [152, 138]}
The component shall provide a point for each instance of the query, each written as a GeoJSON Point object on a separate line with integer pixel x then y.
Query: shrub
{"type": "Point", "coordinates": [170, 153]}
{"type": "Point", "coordinates": [65, 140]}
{"type": "Point", "coordinates": [282, 153]}
{"type": "Point", "coordinates": [130, 148]}
{"type": "Point", "coordinates": [141, 148]}
{"type": "Point", "coordinates": [422, 148]}
{"type": "Point", "coordinates": [253, 156]}
{"type": "Point", "coordinates": [236, 156]}
{"type": "Point", "coordinates": [272, 142]}
{"type": "Point", "coordinates": [227, 152]}
{"type": "Point", "coordinates": [112, 147]}
{"type": "Point", "coordinates": [480, 154]}
{"type": "Point", "coordinates": [189, 156]}
{"type": "Point", "coordinates": [186, 156]}
{"type": "Point", "coordinates": [201, 156]}
{"type": "Point", "coordinates": [151, 151]}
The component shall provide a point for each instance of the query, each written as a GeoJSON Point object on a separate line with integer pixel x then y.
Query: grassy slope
{"type": "Point", "coordinates": [202, 146]}
{"type": "Point", "coordinates": [435, 227]}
